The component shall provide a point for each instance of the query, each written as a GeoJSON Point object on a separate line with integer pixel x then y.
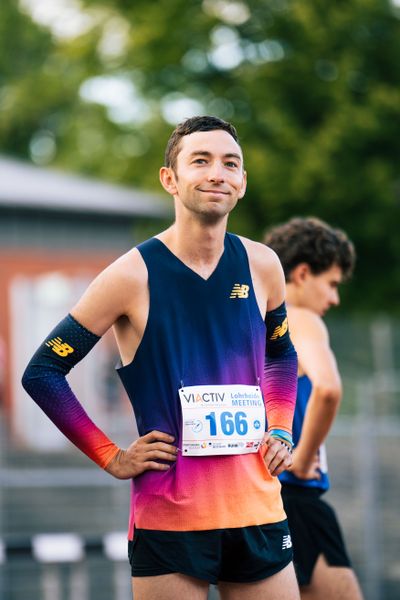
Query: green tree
{"type": "Point", "coordinates": [313, 88]}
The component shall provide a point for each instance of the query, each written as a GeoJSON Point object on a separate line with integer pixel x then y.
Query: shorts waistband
{"type": "Point", "coordinates": [299, 490]}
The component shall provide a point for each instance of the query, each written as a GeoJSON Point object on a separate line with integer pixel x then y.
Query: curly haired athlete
{"type": "Point", "coordinates": [316, 258]}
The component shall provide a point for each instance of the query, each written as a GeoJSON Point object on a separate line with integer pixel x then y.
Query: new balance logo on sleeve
{"type": "Point", "coordinates": [59, 347]}
{"type": "Point", "coordinates": [286, 542]}
{"type": "Point", "coordinates": [280, 330]}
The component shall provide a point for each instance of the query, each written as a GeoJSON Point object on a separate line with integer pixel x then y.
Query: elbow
{"type": "Point", "coordinates": [329, 393]}
{"type": "Point", "coordinates": [27, 379]}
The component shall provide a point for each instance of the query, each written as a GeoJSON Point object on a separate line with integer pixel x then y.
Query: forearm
{"type": "Point", "coordinates": [280, 375]}
{"type": "Point", "coordinates": [45, 381]}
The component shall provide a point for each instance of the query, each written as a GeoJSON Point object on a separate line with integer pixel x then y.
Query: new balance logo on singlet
{"type": "Point", "coordinates": [286, 542]}
{"type": "Point", "coordinates": [59, 347]}
{"type": "Point", "coordinates": [240, 291]}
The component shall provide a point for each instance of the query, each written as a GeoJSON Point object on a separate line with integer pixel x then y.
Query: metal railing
{"type": "Point", "coordinates": [362, 451]}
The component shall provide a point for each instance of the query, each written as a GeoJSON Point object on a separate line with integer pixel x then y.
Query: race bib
{"type": "Point", "coordinates": [221, 419]}
{"type": "Point", "coordinates": [323, 459]}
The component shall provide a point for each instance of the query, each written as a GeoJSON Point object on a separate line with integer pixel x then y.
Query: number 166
{"type": "Point", "coordinates": [229, 423]}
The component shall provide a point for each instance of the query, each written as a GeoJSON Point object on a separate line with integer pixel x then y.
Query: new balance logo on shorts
{"type": "Point", "coordinates": [286, 542]}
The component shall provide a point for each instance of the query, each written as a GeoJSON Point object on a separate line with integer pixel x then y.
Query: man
{"type": "Point", "coordinates": [188, 309]}
{"type": "Point", "coordinates": [316, 259]}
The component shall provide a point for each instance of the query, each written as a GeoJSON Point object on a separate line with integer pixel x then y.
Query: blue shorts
{"type": "Point", "coordinates": [237, 555]}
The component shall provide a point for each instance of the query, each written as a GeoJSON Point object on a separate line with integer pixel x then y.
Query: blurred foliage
{"type": "Point", "coordinates": [313, 88]}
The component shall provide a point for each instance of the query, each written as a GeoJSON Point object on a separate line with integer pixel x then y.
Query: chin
{"type": "Point", "coordinates": [216, 211]}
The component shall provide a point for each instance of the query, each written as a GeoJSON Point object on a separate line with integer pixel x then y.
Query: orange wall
{"type": "Point", "coordinates": [31, 263]}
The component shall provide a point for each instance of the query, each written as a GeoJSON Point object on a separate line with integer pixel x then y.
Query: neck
{"type": "Point", "coordinates": [198, 245]}
{"type": "Point", "coordinates": [292, 298]}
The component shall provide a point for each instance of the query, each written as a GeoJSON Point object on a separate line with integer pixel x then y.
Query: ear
{"type": "Point", "coordinates": [244, 186]}
{"type": "Point", "coordinates": [300, 273]}
{"type": "Point", "coordinates": [168, 180]}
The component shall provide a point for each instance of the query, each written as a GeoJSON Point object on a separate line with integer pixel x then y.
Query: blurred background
{"type": "Point", "coordinates": [89, 93]}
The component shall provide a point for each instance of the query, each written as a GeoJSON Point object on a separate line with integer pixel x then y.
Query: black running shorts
{"type": "Point", "coordinates": [315, 530]}
{"type": "Point", "coordinates": [240, 555]}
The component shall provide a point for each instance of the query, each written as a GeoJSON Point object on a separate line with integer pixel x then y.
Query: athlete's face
{"type": "Point", "coordinates": [208, 179]}
{"type": "Point", "coordinates": [320, 292]}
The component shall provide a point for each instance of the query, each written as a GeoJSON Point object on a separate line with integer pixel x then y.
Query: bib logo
{"type": "Point", "coordinates": [280, 330]}
{"type": "Point", "coordinates": [240, 291]}
{"type": "Point", "coordinates": [59, 347]}
{"type": "Point", "coordinates": [207, 397]}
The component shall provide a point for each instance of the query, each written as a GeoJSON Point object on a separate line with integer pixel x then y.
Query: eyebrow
{"type": "Point", "coordinates": [206, 153]}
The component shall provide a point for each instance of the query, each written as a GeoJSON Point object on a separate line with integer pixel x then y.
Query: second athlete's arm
{"type": "Point", "coordinates": [317, 361]}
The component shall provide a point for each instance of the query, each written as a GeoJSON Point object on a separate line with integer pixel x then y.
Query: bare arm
{"type": "Point", "coordinates": [267, 275]}
{"type": "Point", "coordinates": [117, 291]}
{"type": "Point", "coordinates": [317, 361]}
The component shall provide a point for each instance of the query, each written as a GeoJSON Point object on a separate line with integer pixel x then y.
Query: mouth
{"type": "Point", "coordinates": [214, 192]}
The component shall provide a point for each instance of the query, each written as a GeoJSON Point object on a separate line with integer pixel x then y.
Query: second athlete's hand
{"type": "Point", "coordinates": [302, 471]}
{"type": "Point", "coordinates": [143, 455]}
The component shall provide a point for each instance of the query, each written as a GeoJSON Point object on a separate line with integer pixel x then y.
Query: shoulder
{"type": "Point", "coordinates": [305, 323]}
{"type": "Point", "coordinates": [267, 275]}
{"type": "Point", "coordinates": [112, 292]}
{"type": "Point", "coordinates": [119, 283]}
{"type": "Point", "coordinates": [315, 357]}
{"type": "Point", "coordinates": [127, 270]}
{"type": "Point", "coordinates": [261, 257]}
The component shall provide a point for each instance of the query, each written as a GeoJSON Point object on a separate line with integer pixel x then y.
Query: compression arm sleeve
{"type": "Point", "coordinates": [45, 381]}
{"type": "Point", "coordinates": [280, 375]}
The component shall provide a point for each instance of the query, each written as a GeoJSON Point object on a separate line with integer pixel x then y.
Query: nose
{"type": "Point", "coordinates": [216, 172]}
{"type": "Point", "coordinates": [335, 298]}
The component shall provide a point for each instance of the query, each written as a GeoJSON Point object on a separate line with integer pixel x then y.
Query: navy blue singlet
{"type": "Point", "coordinates": [198, 332]}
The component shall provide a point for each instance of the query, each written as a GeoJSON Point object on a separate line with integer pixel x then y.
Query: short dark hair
{"type": "Point", "coordinates": [312, 241]}
{"type": "Point", "coordinates": [191, 125]}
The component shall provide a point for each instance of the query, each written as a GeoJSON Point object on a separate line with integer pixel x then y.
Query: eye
{"type": "Point", "coordinates": [231, 164]}
{"type": "Point", "coordinates": [199, 161]}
